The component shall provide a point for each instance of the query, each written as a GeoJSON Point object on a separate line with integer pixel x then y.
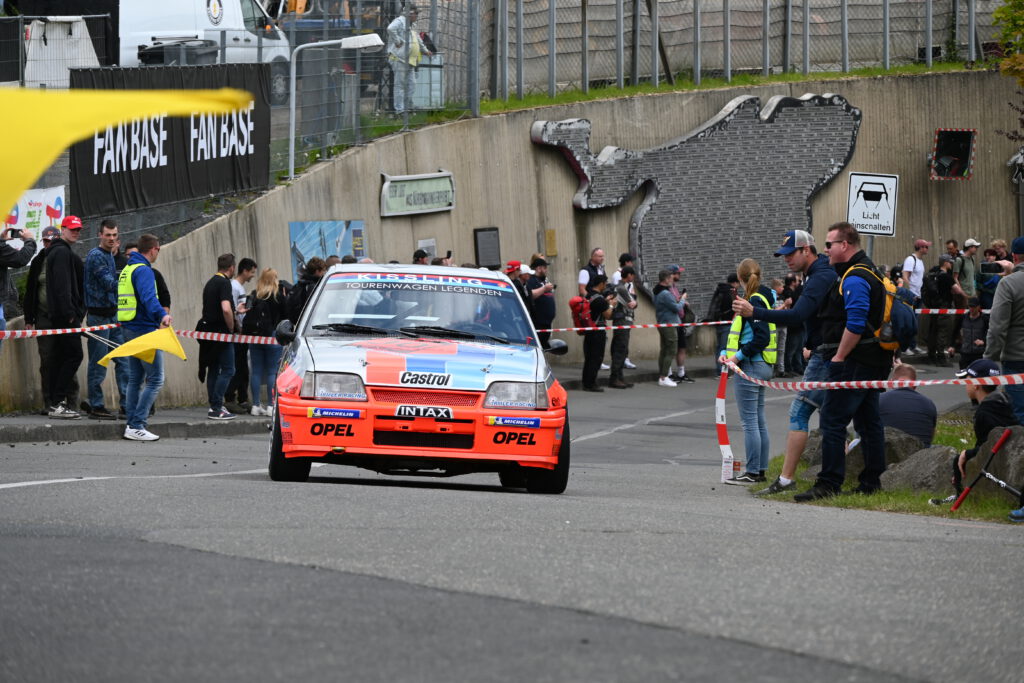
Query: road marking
{"type": "Point", "coordinates": [41, 482]}
{"type": "Point", "coordinates": [19, 484]}
{"type": "Point", "coordinates": [657, 418]}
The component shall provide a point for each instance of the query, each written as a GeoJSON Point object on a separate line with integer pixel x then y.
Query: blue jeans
{"type": "Point", "coordinates": [860, 405]}
{"type": "Point", "coordinates": [1015, 391]}
{"type": "Point", "coordinates": [750, 401]}
{"type": "Point", "coordinates": [807, 401]}
{"type": "Point", "coordinates": [219, 375]}
{"type": "Point", "coordinates": [96, 372]}
{"type": "Point", "coordinates": [263, 361]}
{"type": "Point", "coordinates": [144, 382]}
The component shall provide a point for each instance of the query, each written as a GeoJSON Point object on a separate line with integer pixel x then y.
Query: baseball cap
{"type": "Point", "coordinates": [50, 233]}
{"type": "Point", "coordinates": [921, 243]}
{"type": "Point", "coordinates": [971, 242]}
{"type": "Point", "coordinates": [795, 239]}
{"type": "Point", "coordinates": [974, 301]}
{"type": "Point", "coordinates": [1018, 246]}
{"type": "Point", "coordinates": [538, 262]}
{"type": "Point", "coordinates": [983, 367]}
{"type": "Point", "coordinates": [513, 266]}
{"type": "Point", "coordinates": [526, 270]}
{"type": "Point", "coordinates": [418, 254]}
{"type": "Point", "coordinates": [946, 257]}
{"type": "Point", "coordinates": [72, 222]}
{"type": "Point", "coordinates": [674, 268]}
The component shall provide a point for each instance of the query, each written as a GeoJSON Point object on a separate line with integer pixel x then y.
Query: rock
{"type": "Point", "coordinates": [926, 470]}
{"type": "Point", "coordinates": [1008, 464]}
{"type": "Point", "coordinates": [898, 447]}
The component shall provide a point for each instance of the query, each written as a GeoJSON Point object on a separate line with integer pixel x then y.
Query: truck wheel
{"type": "Point", "coordinates": [279, 83]}
{"type": "Point", "coordinates": [280, 467]}
{"type": "Point", "coordinates": [552, 481]}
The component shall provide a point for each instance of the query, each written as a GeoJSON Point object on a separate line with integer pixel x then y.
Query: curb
{"type": "Point", "coordinates": [106, 431]}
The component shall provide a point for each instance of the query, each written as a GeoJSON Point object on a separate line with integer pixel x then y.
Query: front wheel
{"type": "Point", "coordinates": [280, 467]}
{"type": "Point", "coordinates": [552, 481]}
{"type": "Point", "coordinates": [279, 77]}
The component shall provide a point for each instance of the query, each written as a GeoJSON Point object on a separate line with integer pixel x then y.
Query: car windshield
{"type": "Point", "coordinates": [427, 305]}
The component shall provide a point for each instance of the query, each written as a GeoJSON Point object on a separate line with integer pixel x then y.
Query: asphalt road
{"type": "Point", "coordinates": [180, 560]}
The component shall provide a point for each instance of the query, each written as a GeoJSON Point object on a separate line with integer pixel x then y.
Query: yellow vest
{"type": "Point", "coordinates": [770, 353]}
{"type": "Point", "coordinates": [127, 303]}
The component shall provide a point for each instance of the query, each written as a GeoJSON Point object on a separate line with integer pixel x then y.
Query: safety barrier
{"type": "Point", "coordinates": [191, 334]}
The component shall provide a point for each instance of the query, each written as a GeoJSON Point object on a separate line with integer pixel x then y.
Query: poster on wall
{"type": "Point", "coordinates": [37, 209]}
{"type": "Point", "coordinates": [166, 159]}
{"type": "Point", "coordinates": [308, 239]}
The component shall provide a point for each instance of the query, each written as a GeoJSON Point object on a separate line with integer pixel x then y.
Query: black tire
{"type": "Point", "coordinates": [280, 467]}
{"type": "Point", "coordinates": [279, 75]}
{"type": "Point", "coordinates": [513, 478]}
{"type": "Point", "coordinates": [552, 481]}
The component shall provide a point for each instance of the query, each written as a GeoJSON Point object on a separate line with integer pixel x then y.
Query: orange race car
{"type": "Point", "coordinates": [422, 370]}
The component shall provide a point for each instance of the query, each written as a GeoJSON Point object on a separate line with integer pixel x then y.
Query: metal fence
{"type": "Point", "coordinates": [505, 48]}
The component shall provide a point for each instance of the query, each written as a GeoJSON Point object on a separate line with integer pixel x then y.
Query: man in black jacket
{"type": "Point", "coordinates": [849, 317]}
{"type": "Point", "coordinates": [994, 410]}
{"type": "Point", "coordinates": [13, 258]}
{"type": "Point", "coordinates": [64, 300]}
{"type": "Point", "coordinates": [311, 274]}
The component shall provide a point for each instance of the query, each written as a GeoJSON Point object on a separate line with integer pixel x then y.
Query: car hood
{"type": "Point", "coordinates": [426, 363]}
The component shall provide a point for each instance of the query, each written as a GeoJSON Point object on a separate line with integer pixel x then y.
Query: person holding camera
{"type": "Point", "coordinates": [622, 315]}
{"type": "Point", "coordinates": [13, 258]}
{"type": "Point", "coordinates": [601, 304]}
{"type": "Point", "coordinates": [542, 295]}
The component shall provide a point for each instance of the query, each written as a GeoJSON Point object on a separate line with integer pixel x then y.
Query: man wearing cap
{"type": "Point", "coordinates": [1005, 342]}
{"type": "Point", "coordinates": [101, 304]}
{"type": "Point", "coordinates": [12, 258]}
{"type": "Point", "coordinates": [420, 258]}
{"type": "Point", "coordinates": [66, 305]}
{"type": "Point", "coordinates": [801, 256]}
{"type": "Point", "coordinates": [37, 316]}
{"type": "Point", "coordinates": [994, 411]}
{"type": "Point", "coordinates": [542, 296]}
{"type": "Point", "coordinates": [849, 316]}
{"type": "Point", "coordinates": [965, 269]}
{"type": "Point", "coordinates": [519, 274]}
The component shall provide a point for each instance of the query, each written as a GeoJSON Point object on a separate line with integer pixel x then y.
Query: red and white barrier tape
{"type": "Point", "coordinates": [26, 334]}
{"type": "Point", "coordinates": [999, 380]}
{"type": "Point", "coordinates": [634, 327]}
{"type": "Point", "coordinates": [947, 311]}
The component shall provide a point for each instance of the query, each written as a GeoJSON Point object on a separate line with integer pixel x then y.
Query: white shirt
{"type": "Point", "coordinates": [238, 294]}
{"type": "Point", "coordinates": [915, 267]}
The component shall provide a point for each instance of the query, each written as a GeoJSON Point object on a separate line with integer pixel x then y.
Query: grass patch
{"type": "Point", "coordinates": [955, 434]}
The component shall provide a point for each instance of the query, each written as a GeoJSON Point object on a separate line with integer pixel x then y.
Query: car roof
{"type": "Point", "coordinates": [415, 268]}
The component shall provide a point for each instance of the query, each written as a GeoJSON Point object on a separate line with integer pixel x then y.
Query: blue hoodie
{"type": "Point", "coordinates": [148, 311]}
{"type": "Point", "coordinates": [820, 277]}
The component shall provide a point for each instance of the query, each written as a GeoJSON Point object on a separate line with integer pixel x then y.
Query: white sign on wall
{"type": "Point", "coordinates": [871, 203]}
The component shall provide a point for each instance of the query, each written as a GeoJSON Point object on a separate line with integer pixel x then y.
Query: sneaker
{"type": "Point", "coordinates": [268, 411]}
{"type": "Point", "coordinates": [685, 378]}
{"type": "Point", "coordinates": [629, 365]}
{"type": "Point", "coordinates": [816, 492]}
{"type": "Point", "coordinates": [85, 408]}
{"type": "Point", "coordinates": [745, 478]}
{"type": "Point", "coordinates": [101, 413]}
{"type": "Point", "coordinates": [605, 366]}
{"type": "Point", "coordinates": [776, 487]}
{"type": "Point", "coordinates": [674, 377]}
{"type": "Point", "coordinates": [62, 412]}
{"type": "Point", "coordinates": [257, 410]}
{"type": "Point", "coordinates": [666, 382]}
{"type": "Point", "coordinates": [139, 434]}
{"type": "Point", "coordinates": [1017, 515]}
{"type": "Point", "coordinates": [221, 414]}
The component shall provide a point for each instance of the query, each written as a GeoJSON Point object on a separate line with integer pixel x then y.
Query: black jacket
{"type": "Point", "coordinates": [13, 258]}
{"type": "Point", "coordinates": [32, 293]}
{"type": "Point", "coordinates": [65, 273]}
{"type": "Point", "coordinates": [833, 317]}
{"type": "Point", "coordinates": [720, 307]}
{"type": "Point", "coordinates": [299, 295]}
{"type": "Point", "coordinates": [995, 411]}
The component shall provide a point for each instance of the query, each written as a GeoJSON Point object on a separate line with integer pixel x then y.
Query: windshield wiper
{"type": "Point", "coordinates": [450, 332]}
{"type": "Point", "coordinates": [356, 329]}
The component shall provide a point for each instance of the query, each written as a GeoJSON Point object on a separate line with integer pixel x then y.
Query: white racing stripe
{"type": "Point", "coordinates": [41, 482]}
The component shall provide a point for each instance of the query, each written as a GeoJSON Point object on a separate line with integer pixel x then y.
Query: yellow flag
{"type": "Point", "coordinates": [41, 124]}
{"type": "Point", "coordinates": [145, 347]}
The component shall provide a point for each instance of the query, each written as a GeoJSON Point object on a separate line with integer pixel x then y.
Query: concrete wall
{"type": "Point", "coordinates": [504, 180]}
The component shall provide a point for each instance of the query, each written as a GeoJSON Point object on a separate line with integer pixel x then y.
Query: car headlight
{"type": "Point", "coordinates": [333, 386]}
{"type": "Point", "coordinates": [517, 396]}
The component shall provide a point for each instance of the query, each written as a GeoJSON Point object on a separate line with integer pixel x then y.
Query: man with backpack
{"type": "Point", "coordinates": [600, 306]}
{"type": "Point", "coordinates": [854, 317]}
{"type": "Point", "coordinates": [937, 292]}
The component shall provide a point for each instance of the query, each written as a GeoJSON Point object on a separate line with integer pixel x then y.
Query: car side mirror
{"type": "Point", "coordinates": [557, 347]}
{"type": "Point", "coordinates": [284, 333]}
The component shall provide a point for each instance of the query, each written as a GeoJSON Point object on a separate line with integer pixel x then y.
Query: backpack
{"type": "Point", "coordinates": [930, 288]}
{"type": "Point", "coordinates": [898, 330]}
{"type": "Point", "coordinates": [260, 318]}
{"type": "Point", "coordinates": [580, 308]}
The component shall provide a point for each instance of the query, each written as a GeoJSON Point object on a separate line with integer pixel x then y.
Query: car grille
{"type": "Point", "coordinates": [422, 440]}
{"type": "Point", "coordinates": [420, 397]}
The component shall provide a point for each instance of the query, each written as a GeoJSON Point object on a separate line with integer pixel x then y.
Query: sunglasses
{"type": "Point", "coordinates": [828, 245]}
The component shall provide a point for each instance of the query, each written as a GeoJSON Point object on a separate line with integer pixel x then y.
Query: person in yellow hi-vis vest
{"type": "Point", "coordinates": [405, 50]}
{"type": "Point", "coordinates": [753, 346]}
{"type": "Point", "coordinates": [139, 312]}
